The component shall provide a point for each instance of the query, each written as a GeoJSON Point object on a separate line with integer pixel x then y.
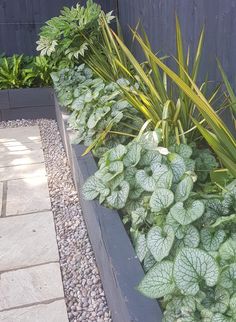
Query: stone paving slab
{"type": "Point", "coordinates": [12, 158]}
{"type": "Point", "coordinates": [1, 191]}
{"type": "Point", "coordinates": [16, 147]}
{"type": "Point", "coordinates": [27, 240]}
{"type": "Point", "coordinates": [19, 134]}
{"type": "Point", "coordinates": [30, 286]}
{"type": "Point", "coordinates": [52, 312]}
{"type": "Point", "coordinates": [27, 195]}
{"type": "Point", "coordinates": [22, 171]}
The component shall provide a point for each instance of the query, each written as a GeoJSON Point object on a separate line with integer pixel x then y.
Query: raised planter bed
{"type": "Point", "coordinates": [118, 265]}
{"type": "Point", "coordinates": [27, 103]}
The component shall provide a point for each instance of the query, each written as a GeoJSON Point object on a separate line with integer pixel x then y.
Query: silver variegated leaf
{"type": "Point", "coordinates": [133, 155]}
{"type": "Point", "coordinates": [228, 250]}
{"type": "Point", "coordinates": [150, 140]}
{"type": "Point", "coordinates": [146, 181]}
{"type": "Point", "coordinates": [118, 197]}
{"type": "Point", "coordinates": [183, 189]}
{"type": "Point", "coordinates": [161, 199]}
{"type": "Point", "coordinates": [93, 187]}
{"type": "Point", "coordinates": [159, 281]}
{"type": "Point", "coordinates": [116, 167]}
{"type": "Point", "coordinates": [228, 278]}
{"type": "Point", "coordinates": [193, 266]}
{"type": "Point", "coordinates": [117, 153]}
{"type": "Point", "coordinates": [211, 240]}
{"type": "Point", "coordinates": [185, 216]}
{"type": "Point", "coordinates": [177, 165]}
{"type": "Point", "coordinates": [162, 175]}
{"type": "Point", "coordinates": [138, 216]}
{"type": "Point", "coordinates": [141, 247]}
{"type": "Point", "coordinates": [149, 261]}
{"type": "Point", "coordinates": [160, 241]}
{"type": "Point", "coordinates": [216, 300]}
{"type": "Point", "coordinates": [190, 237]}
{"type": "Point", "coordinates": [150, 157]}
{"type": "Point", "coordinates": [219, 317]}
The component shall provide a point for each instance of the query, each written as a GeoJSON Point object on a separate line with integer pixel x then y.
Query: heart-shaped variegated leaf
{"type": "Point", "coordinates": [211, 240]}
{"type": "Point", "coordinates": [184, 150]}
{"type": "Point", "coordinates": [183, 189]}
{"type": "Point", "coordinates": [162, 175]}
{"type": "Point", "coordinates": [117, 153]}
{"type": "Point", "coordinates": [150, 140]}
{"type": "Point", "coordinates": [190, 236]}
{"type": "Point", "coordinates": [187, 215]}
{"type": "Point", "coordinates": [132, 157]}
{"type": "Point", "coordinates": [177, 165]}
{"type": "Point", "coordinates": [228, 250]}
{"type": "Point", "coordinates": [118, 197]}
{"type": "Point", "coordinates": [228, 278]}
{"type": "Point", "coordinates": [150, 157]}
{"type": "Point", "coordinates": [138, 217]}
{"type": "Point", "coordinates": [161, 199]}
{"type": "Point", "coordinates": [116, 167]}
{"type": "Point", "coordinates": [219, 317]}
{"type": "Point", "coordinates": [216, 300]}
{"type": "Point", "coordinates": [145, 180]}
{"type": "Point", "coordinates": [93, 187]}
{"type": "Point", "coordinates": [159, 281]}
{"type": "Point", "coordinates": [160, 241]}
{"type": "Point", "coordinates": [193, 266]}
{"type": "Point", "coordinates": [149, 261]}
{"type": "Point", "coordinates": [141, 246]}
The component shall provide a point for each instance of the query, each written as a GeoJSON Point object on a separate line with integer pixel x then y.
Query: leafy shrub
{"type": "Point", "coordinates": [186, 241]}
{"type": "Point", "coordinates": [96, 107]}
{"type": "Point", "coordinates": [21, 71]}
{"type": "Point", "coordinates": [64, 38]}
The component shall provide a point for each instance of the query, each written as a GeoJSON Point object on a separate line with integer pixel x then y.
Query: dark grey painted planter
{"type": "Point", "coordinates": [27, 103]}
{"type": "Point", "coordinates": [117, 262]}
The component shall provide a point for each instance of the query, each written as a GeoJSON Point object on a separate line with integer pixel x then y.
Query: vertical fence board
{"type": "Point", "coordinates": [20, 21]}
{"type": "Point", "coordinates": [158, 19]}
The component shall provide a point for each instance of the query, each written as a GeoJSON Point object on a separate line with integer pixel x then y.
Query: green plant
{"type": "Point", "coordinates": [14, 73]}
{"type": "Point", "coordinates": [215, 132]}
{"type": "Point", "coordinates": [105, 54]}
{"type": "Point", "coordinates": [42, 67]}
{"type": "Point", "coordinates": [21, 71]}
{"type": "Point", "coordinates": [231, 95]}
{"type": "Point", "coordinates": [97, 108]}
{"type": "Point", "coordinates": [185, 239]}
{"type": "Point", "coordinates": [64, 37]}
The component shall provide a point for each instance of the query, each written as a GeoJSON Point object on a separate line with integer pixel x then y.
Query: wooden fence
{"type": "Point", "coordinates": [20, 21]}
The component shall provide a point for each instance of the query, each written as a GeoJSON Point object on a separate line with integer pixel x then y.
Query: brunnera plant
{"type": "Point", "coordinates": [185, 240]}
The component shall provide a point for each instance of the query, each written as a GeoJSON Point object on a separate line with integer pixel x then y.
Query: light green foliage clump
{"type": "Point", "coordinates": [96, 107]}
{"type": "Point", "coordinates": [186, 242]}
{"type": "Point", "coordinates": [67, 38]}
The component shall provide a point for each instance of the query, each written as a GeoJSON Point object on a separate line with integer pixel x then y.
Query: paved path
{"type": "Point", "coordinates": [30, 279]}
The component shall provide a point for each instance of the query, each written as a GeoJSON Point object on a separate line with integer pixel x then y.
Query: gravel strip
{"type": "Point", "coordinates": [85, 298]}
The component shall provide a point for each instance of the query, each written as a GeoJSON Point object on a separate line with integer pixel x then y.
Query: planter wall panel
{"type": "Point", "coordinates": [27, 103]}
{"type": "Point", "coordinates": [118, 265]}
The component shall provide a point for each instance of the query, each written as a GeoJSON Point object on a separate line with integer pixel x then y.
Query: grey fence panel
{"type": "Point", "coordinates": [20, 21]}
{"type": "Point", "coordinates": [158, 19]}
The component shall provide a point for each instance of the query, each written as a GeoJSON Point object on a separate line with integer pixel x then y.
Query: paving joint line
{"type": "Point", "coordinates": [23, 164]}
{"type": "Point", "coordinates": [33, 304]}
{"type": "Point", "coordinates": [26, 267]}
{"type": "Point", "coordinates": [20, 178]}
{"type": "Point", "coordinates": [28, 213]}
